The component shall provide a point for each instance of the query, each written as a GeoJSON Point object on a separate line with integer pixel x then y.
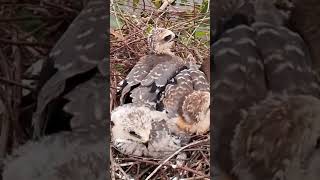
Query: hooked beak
{"type": "Point", "coordinates": [146, 143]}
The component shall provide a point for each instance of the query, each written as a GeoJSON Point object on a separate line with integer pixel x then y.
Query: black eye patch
{"type": "Point", "coordinates": [132, 133]}
{"type": "Point", "coordinates": [168, 38]}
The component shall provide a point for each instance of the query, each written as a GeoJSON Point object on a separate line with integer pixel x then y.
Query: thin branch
{"type": "Point", "coordinates": [25, 43]}
{"type": "Point", "coordinates": [115, 166]}
{"type": "Point", "coordinates": [14, 83]}
{"type": "Point", "coordinates": [30, 18]}
{"type": "Point", "coordinates": [165, 4]}
{"type": "Point", "coordinates": [174, 154]}
{"type": "Point", "coordinates": [166, 164]}
{"type": "Point", "coordinates": [57, 6]}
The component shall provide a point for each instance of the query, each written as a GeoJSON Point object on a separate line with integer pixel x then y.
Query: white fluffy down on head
{"type": "Point", "coordinates": [132, 127]}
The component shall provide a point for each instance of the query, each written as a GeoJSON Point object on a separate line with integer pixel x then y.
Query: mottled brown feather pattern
{"type": "Point", "coordinates": [196, 112]}
{"type": "Point", "coordinates": [250, 60]}
{"type": "Point", "coordinates": [152, 71]}
{"type": "Point", "coordinates": [188, 99]}
{"type": "Point", "coordinates": [138, 128]}
{"type": "Point", "coordinates": [276, 137]}
{"type": "Point", "coordinates": [188, 107]}
{"type": "Point", "coordinates": [75, 53]}
{"type": "Point", "coordinates": [175, 94]}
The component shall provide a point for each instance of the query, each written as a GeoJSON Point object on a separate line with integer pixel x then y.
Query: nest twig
{"type": "Point", "coordinates": [198, 155]}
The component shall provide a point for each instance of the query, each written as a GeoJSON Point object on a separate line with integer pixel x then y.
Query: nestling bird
{"type": "Point", "coordinates": [168, 83]}
{"type": "Point", "coordinates": [138, 128]}
{"type": "Point", "coordinates": [152, 72]}
{"type": "Point", "coordinates": [187, 100]}
{"type": "Point", "coordinates": [79, 154]}
{"type": "Point", "coordinates": [196, 113]}
{"type": "Point", "coordinates": [170, 101]}
{"type": "Point", "coordinates": [141, 131]}
{"type": "Point", "coordinates": [81, 51]}
{"type": "Point", "coordinates": [253, 58]}
{"type": "Point", "coordinates": [277, 138]}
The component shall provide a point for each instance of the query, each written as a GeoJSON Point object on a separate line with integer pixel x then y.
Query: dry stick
{"type": "Point", "coordinates": [132, 7]}
{"type": "Point", "coordinates": [128, 23]}
{"type": "Point", "coordinates": [195, 29]}
{"type": "Point", "coordinates": [2, 20]}
{"type": "Point", "coordinates": [165, 4]}
{"type": "Point", "coordinates": [15, 83]}
{"type": "Point", "coordinates": [4, 137]}
{"type": "Point", "coordinates": [193, 178]}
{"type": "Point", "coordinates": [113, 176]}
{"type": "Point", "coordinates": [30, 34]}
{"type": "Point", "coordinates": [143, 172]}
{"type": "Point", "coordinates": [166, 164]}
{"type": "Point", "coordinates": [57, 6]}
{"type": "Point", "coordinates": [35, 30]}
{"type": "Point", "coordinates": [4, 65]}
{"type": "Point", "coordinates": [17, 92]}
{"type": "Point", "coordinates": [24, 43]}
{"type": "Point", "coordinates": [205, 158]}
{"type": "Point", "coordinates": [128, 36]}
{"type": "Point", "coordinates": [5, 121]}
{"type": "Point", "coordinates": [184, 23]}
{"type": "Point", "coordinates": [114, 165]}
{"type": "Point", "coordinates": [175, 153]}
{"type": "Point", "coordinates": [16, 4]}
{"type": "Point", "coordinates": [126, 44]}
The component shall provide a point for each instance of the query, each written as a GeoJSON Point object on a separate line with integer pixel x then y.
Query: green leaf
{"type": "Point", "coordinates": [148, 29]}
{"type": "Point", "coordinates": [135, 3]}
{"type": "Point", "coordinates": [115, 23]}
{"type": "Point", "coordinates": [200, 34]}
{"type": "Point", "coordinates": [203, 32]}
{"type": "Point", "coordinates": [120, 67]}
{"type": "Point", "coordinates": [204, 6]}
{"type": "Point", "coordinates": [157, 3]}
{"type": "Point", "coordinates": [184, 1]}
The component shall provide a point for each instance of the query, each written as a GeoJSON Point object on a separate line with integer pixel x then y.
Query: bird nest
{"type": "Point", "coordinates": [128, 43]}
{"type": "Point", "coordinates": [195, 166]}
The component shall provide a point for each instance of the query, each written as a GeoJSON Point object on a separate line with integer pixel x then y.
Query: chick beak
{"type": "Point", "coordinates": [146, 143]}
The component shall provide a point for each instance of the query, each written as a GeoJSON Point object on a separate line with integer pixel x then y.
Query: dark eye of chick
{"type": "Point", "coordinates": [132, 133]}
{"type": "Point", "coordinates": [167, 38]}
